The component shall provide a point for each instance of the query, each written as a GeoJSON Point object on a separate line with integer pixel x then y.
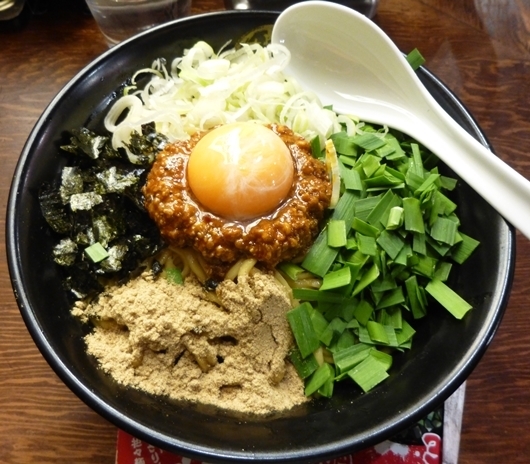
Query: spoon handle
{"type": "Point", "coordinates": [351, 64]}
{"type": "Point", "coordinates": [502, 187]}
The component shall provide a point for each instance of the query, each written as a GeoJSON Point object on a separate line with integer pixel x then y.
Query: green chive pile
{"type": "Point", "coordinates": [386, 250]}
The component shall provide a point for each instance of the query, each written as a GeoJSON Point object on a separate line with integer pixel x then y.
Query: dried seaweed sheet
{"type": "Point", "coordinates": [99, 200]}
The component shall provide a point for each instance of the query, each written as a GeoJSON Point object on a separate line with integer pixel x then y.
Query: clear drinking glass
{"type": "Point", "coordinates": [10, 9]}
{"type": "Point", "coordinates": [121, 19]}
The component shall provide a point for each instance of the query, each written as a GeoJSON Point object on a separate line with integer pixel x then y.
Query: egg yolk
{"type": "Point", "coordinates": [240, 171]}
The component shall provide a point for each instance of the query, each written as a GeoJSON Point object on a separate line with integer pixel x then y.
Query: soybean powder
{"type": "Point", "coordinates": [173, 340]}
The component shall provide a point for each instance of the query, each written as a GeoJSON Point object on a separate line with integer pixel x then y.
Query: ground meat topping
{"type": "Point", "coordinates": [282, 235]}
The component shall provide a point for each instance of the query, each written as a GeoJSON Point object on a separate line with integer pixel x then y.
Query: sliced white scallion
{"type": "Point", "coordinates": [203, 89]}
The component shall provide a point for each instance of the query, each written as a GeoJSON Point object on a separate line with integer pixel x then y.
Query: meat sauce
{"type": "Point", "coordinates": [284, 234]}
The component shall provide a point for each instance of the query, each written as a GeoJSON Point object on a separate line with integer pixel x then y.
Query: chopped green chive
{"type": "Point", "coordinates": [443, 268]}
{"type": "Point", "coordinates": [369, 141]}
{"type": "Point", "coordinates": [322, 375]}
{"type": "Point", "coordinates": [405, 334]}
{"type": "Point", "coordinates": [388, 245]}
{"type": "Point", "coordinates": [413, 217]}
{"type": "Point", "coordinates": [391, 243]}
{"type": "Point", "coordinates": [291, 270]}
{"type": "Point", "coordinates": [395, 218]}
{"type": "Point", "coordinates": [304, 367]}
{"type": "Point", "coordinates": [345, 341]}
{"type": "Point", "coordinates": [369, 373]}
{"type": "Point", "coordinates": [377, 332]}
{"type": "Point", "coordinates": [447, 297]}
{"type": "Point", "coordinates": [302, 328]}
{"type": "Point", "coordinates": [363, 312]}
{"type": "Point", "coordinates": [321, 256]}
{"type": "Point", "coordinates": [384, 202]}
{"type": "Point", "coordinates": [333, 331]}
{"type": "Point", "coordinates": [351, 179]}
{"type": "Point", "coordinates": [415, 59]}
{"type": "Point", "coordinates": [336, 233]}
{"type": "Point", "coordinates": [318, 320]}
{"type": "Point", "coordinates": [308, 294]}
{"type": "Point", "coordinates": [444, 230]}
{"type": "Point", "coordinates": [367, 278]}
{"type": "Point", "coordinates": [96, 252]}
{"type": "Point", "coordinates": [464, 249]}
{"type": "Point", "coordinates": [367, 245]}
{"type": "Point", "coordinates": [336, 279]}
{"type": "Point", "coordinates": [344, 145]}
{"type": "Point", "coordinates": [384, 358]}
{"type": "Point", "coordinates": [364, 228]}
{"type": "Point", "coordinates": [174, 275]}
{"type": "Point", "coordinates": [391, 298]}
{"type": "Point", "coordinates": [348, 358]}
{"type": "Point", "coordinates": [316, 148]}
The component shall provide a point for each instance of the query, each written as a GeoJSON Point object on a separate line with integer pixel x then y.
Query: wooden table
{"type": "Point", "coordinates": [479, 48]}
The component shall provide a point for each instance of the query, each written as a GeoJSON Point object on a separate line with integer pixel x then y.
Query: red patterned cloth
{"type": "Point", "coordinates": [131, 450]}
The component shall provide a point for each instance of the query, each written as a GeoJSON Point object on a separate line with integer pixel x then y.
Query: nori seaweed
{"type": "Point", "coordinates": [99, 199]}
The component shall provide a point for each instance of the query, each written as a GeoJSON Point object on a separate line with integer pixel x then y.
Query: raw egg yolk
{"type": "Point", "coordinates": [240, 171]}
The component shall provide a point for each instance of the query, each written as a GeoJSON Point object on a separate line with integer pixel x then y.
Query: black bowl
{"type": "Point", "coordinates": [445, 350]}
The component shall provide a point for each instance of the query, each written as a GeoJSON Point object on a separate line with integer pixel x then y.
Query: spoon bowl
{"type": "Point", "coordinates": [350, 63]}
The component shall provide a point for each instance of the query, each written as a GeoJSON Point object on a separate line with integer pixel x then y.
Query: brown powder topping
{"type": "Point", "coordinates": [169, 339]}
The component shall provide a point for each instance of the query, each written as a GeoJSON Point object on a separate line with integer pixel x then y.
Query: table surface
{"type": "Point", "coordinates": [479, 48]}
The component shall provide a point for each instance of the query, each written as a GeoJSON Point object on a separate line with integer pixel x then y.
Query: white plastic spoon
{"type": "Point", "coordinates": [350, 63]}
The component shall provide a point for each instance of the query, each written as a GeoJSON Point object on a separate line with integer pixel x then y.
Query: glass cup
{"type": "Point", "coordinates": [121, 19]}
{"type": "Point", "coordinates": [10, 9]}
